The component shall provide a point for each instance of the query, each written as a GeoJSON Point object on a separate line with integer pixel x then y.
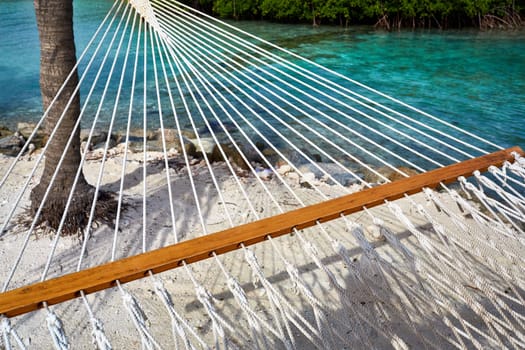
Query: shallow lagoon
{"type": "Point", "coordinates": [473, 79]}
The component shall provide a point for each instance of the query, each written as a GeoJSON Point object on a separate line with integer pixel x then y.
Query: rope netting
{"type": "Point", "coordinates": [196, 126]}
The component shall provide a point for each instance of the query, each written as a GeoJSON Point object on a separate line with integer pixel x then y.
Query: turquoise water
{"type": "Point", "coordinates": [473, 79]}
{"type": "Point", "coordinates": [19, 54]}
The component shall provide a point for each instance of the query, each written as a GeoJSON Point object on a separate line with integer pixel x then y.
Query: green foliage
{"type": "Point", "coordinates": [394, 12]}
{"type": "Point", "coordinates": [237, 8]}
{"type": "Point", "coordinates": [286, 10]}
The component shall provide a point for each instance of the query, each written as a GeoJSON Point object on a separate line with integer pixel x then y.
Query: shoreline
{"type": "Point", "coordinates": [262, 161]}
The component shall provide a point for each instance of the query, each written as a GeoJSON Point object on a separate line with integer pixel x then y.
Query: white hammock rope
{"type": "Point", "coordinates": [444, 269]}
{"type": "Point", "coordinates": [414, 266]}
{"type": "Point", "coordinates": [246, 86]}
{"type": "Point", "coordinates": [126, 146]}
{"type": "Point", "coordinates": [308, 74]}
{"type": "Point", "coordinates": [277, 150]}
{"type": "Point", "coordinates": [475, 245]}
{"type": "Point", "coordinates": [478, 236]}
{"type": "Point", "coordinates": [262, 136]}
{"type": "Point", "coordinates": [309, 96]}
{"type": "Point", "coordinates": [180, 327]}
{"type": "Point", "coordinates": [338, 88]}
{"type": "Point", "coordinates": [202, 294]}
{"type": "Point", "coordinates": [218, 322]}
{"type": "Point", "coordinates": [380, 268]}
{"type": "Point", "coordinates": [110, 129]}
{"type": "Point", "coordinates": [99, 336]}
{"type": "Point", "coordinates": [215, 183]}
{"type": "Point", "coordinates": [57, 332]}
{"type": "Point", "coordinates": [139, 319]}
{"type": "Point", "coordinates": [255, 101]}
{"type": "Point", "coordinates": [251, 316]}
{"type": "Point", "coordinates": [479, 282]}
{"type": "Point", "coordinates": [288, 268]}
{"type": "Point", "coordinates": [205, 77]}
{"type": "Point", "coordinates": [514, 199]}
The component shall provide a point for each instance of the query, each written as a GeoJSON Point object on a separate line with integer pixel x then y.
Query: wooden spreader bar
{"type": "Point", "coordinates": [57, 290]}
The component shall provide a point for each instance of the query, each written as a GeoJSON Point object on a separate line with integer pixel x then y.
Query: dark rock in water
{"type": "Point", "coordinates": [397, 176]}
{"type": "Point", "coordinates": [313, 156]}
{"type": "Point", "coordinates": [135, 143]}
{"type": "Point", "coordinates": [317, 157]}
{"type": "Point", "coordinates": [189, 134]}
{"type": "Point", "coordinates": [136, 135]}
{"type": "Point", "coordinates": [98, 136]}
{"type": "Point", "coordinates": [11, 145]}
{"type": "Point", "coordinates": [270, 156]}
{"type": "Point", "coordinates": [135, 139]}
{"type": "Point", "coordinates": [291, 157]}
{"type": "Point", "coordinates": [298, 158]}
{"type": "Point", "coordinates": [251, 154]}
{"type": "Point", "coordinates": [233, 156]}
{"type": "Point", "coordinates": [133, 147]}
{"type": "Point", "coordinates": [190, 148]}
{"type": "Point", "coordinates": [216, 155]}
{"type": "Point", "coordinates": [269, 152]}
{"type": "Point", "coordinates": [4, 131]}
{"type": "Point", "coordinates": [172, 135]}
{"type": "Point", "coordinates": [295, 157]}
{"type": "Point", "coordinates": [102, 145]}
{"type": "Point", "coordinates": [11, 141]}
{"type": "Point", "coordinates": [172, 139]}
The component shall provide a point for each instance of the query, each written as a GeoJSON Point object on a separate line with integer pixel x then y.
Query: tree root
{"type": "Point", "coordinates": [51, 215]}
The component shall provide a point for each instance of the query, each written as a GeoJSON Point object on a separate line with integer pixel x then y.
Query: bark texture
{"type": "Point", "coordinates": [57, 59]}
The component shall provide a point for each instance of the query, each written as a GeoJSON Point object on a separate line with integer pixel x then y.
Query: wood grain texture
{"type": "Point", "coordinates": [53, 291]}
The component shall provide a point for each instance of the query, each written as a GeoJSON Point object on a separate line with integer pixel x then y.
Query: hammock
{"type": "Point", "coordinates": [264, 201]}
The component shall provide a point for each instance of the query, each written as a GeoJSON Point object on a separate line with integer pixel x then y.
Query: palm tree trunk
{"type": "Point", "coordinates": [57, 60]}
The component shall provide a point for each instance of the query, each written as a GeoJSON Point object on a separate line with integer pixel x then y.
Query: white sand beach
{"type": "Point", "coordinates": [380, 293]}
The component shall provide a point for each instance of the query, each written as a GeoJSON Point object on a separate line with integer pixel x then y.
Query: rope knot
{"type": "Point", "coordinates": [56, 328]}
{"type": "Point", "coordinates": [377, 221]}
{"type": "Point", "coordinates": [99, 337]}
{"type": "Point", "coordinates": [250, 257]}
{"type": "Point", "coordinates": [395, 208]}
{"type": "Point", "coordinates": [202, 294]}
{"type": "Point", "coordinates": [236, 289]}
{"type": "Point", "coordinates": [133, 306]}
{"type": "Point", "coordinates": [464, 186]}
{"type": "Point", "coordinates": [518, 157]}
